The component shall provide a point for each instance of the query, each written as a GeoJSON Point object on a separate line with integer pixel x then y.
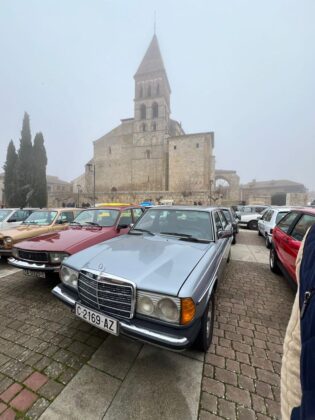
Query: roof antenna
{"type": "Point", "coordinates": [154, 22]}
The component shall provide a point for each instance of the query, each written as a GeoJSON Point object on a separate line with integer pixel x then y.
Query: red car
{"type": "Point", "coordinates": [287, 237]}
{"type": "Point", "coordinates": [45, 253]}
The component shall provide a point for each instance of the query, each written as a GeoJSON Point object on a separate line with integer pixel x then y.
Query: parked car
{"type": "Point", "coordinates": [44, 254]}
{"type": "Point", "coordinates": [268, 221]}
{"type": "Point", "coordinates": [231, 218]}
{"type": "Point", "coordinates": [157, 283]}
{"type": "Point", "coordinates": [39, 222]}
{"type": "Point", "coordinates": [286, 240]}
{"type": "Point", "coordinates": [10, 218]}
{"type": "Point", "coordinates": [249, 216]}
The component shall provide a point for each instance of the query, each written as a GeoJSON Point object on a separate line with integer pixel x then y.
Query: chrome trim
{"type": "Point", "coordinates": [31, 266]}
{"type": "Point", "coordinates": [34, 252]}
{"type": "Point", "coordinates": [58, 292]}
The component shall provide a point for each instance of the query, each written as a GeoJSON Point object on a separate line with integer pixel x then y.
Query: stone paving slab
{"type": "Point", "coordinates": [160, 385]}
{"type": "Point", "coordinates": [87, 396]}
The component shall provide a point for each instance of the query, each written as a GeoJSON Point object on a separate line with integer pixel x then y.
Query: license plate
{"type": "Point", "coordinates": [97, 319]}
{"type": "Point", "coordinates": [32, 273]}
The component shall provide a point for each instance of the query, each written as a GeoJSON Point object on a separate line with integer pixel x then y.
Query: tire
{"type": "Point", "coordinates": [234, 239]}
{"type": "Point", "coordinates": [267, 242]}
{"type": "Point", "coordinates": [253, 225]}
{"type": "Point", "coordinates": [204, 337]}
{"type": "Point", "coordinates": [273, 261]}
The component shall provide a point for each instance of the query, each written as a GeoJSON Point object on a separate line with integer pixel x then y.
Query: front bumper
{"type": "Point", "coordinates": [5, 252]}
{"type": "Point", "coordinates": [33, 266]}
{"type": "Point", "coordinates": [143, 330]}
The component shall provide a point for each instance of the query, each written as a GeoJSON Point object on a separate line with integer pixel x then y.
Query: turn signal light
{"type": "Point", "coordinates": [188, 311]}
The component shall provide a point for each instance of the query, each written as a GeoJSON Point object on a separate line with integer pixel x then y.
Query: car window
{"type": "Point", "coordinates": [302, 226]}
{"type": "Point", "coordinates": [19, 216]}
{"type": "Point", "coordinates": [43, 218]}
{"type": "Point", "coordinates": [136, 214]}
{"type": "Point", "coordinates": [258, 209]}
{"type": "Point", "coordinates": [101, 217]}
{"type": "Point", "coordinates": [287, 221]}
{"type": "Point", "coordinates": [223, 219]}
{"type": "Point", "coordinates": [4, 214]}
{"type": "Point", "coordinates": [65, 217]}
{"type": "Point", "coordinates": [280, 216]}
{"type": "Point", "coordinates": [182, 222]}
{"type": "Point", "coordinates": [217, 222]}
{"type": "Point", "coordinates": [125, 218]}
{"type": "Point", "coordinates": [268, 216]}
{"type": "Point", "coordinates": [227, 215]}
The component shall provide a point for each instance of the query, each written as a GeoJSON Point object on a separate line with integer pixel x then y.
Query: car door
{"type": "Point", "coordinates": [227, 226]}
{"type": "Point", "coordinates": [281, 238]}
{"type": "Point", "coordinates": [295, 239]}
{"type": "Point", "coordinates": [268, 222]}
{"type": "Point", "coordinates": [261, 222]}
{"type": "Point", "coordinates": [220, 256]}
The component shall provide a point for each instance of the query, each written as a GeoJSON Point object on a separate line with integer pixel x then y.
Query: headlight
{"type": "Point", "coordinates": [69, 276]}
{"type": "Point", "coordinates": [165, 308]}
{"type": "Point", "coordinates": [8, 241]}
{"type": "Point", "coordinates": [57, 257]}
{"type": "Point", "coordinates": [15, 252]}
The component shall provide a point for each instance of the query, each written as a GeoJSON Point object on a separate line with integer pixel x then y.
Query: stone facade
{"type": "Point", "coordinates": [150, 151]}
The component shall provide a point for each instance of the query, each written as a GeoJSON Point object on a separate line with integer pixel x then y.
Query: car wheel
{"type": "Point", "coordinates": [273, 261]}
{"type": "Point", "coordinates": [268, 245]}
{"type": "Point", "coordinates": [253, 225]}
{"type": "Point", "coordinates": [234, 239]}
{"type": "Point", "coordinates": [204, 338]}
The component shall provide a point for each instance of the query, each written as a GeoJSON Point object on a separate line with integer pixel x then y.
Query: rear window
{"type": "Point", "coordinates": [280, 216]}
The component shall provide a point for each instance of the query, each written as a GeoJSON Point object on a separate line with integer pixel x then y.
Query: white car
{"type": "Point", "coordinates": [268, 221]}
{"type": "Point", "coordinates": [249, 215]}
{"type": "Point", "coordinates": [10, 218]}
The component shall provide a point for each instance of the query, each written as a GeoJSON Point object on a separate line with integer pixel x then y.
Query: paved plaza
{"type": "Point", "coordinates": [53, 366]}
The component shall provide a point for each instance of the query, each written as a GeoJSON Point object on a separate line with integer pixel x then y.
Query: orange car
{"type": "Point", "coordinates": [39, 222]}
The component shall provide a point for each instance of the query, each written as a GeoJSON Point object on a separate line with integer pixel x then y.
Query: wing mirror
{"type": "Point", "coordinates": [224, 234]}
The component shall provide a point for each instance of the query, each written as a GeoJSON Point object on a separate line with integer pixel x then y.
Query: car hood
{"type": "Point", "coordinates": [155, 263]}
{"type": "Point", "coordinates": [65, 240]}
{"type": "Point", "coordinates": [24, 231]}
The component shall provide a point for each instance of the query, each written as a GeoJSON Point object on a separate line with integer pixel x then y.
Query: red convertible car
{"type": "Point", "coordinates": [45, 253]}
{"type": "Point", "coordinates": [287, 237]}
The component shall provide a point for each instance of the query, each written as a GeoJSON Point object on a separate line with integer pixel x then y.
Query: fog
{"type": "Point", "coordinates": [244, 69]}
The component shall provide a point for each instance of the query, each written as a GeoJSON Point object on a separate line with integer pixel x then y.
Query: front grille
{"type": "Point", "coordinates": [106, 295]}
{"type": "Point", "coordinates": [33, 256]}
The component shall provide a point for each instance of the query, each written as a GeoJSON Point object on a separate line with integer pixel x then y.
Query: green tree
{"type": "Point", "coordinates": [25, 164]}
{"type": "Point", "coordinates": [10, 176]}
{"type": "Point", "coordinates": [39, 183]}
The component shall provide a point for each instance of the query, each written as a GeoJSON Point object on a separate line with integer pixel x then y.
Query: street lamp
{"type": "Point", "coordinates": [79, 187]}
{"type": "Point", "coordinates": [90, 166]}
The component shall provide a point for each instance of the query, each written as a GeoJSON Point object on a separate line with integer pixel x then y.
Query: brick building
{"type": "Point", "coordinates": [151, 151]}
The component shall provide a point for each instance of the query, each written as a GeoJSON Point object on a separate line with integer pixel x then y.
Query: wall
{"type": "Point", "coordinates": [297, 199]}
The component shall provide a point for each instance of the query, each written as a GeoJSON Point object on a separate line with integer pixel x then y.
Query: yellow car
{"type": "Point", "coordinates": [38, 223]}
{"type": "Point", "coordinates": [113, 204]}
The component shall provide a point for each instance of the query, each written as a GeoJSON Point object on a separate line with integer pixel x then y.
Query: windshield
{"type": "Point", "coordinates": [101, 217]}
{"type": "Point", "coordinates": [4, 214]}
{"type": "Point", "coordinates": [42, 218]}
{"type": "Point", "coordinates": [189, 223]}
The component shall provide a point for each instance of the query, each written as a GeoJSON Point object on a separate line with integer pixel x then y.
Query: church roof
{"type": "Point", "coordinates": [152, 60]}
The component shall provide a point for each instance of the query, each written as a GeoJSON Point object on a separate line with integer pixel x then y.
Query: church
{"type": "Point", "coordinates": [150, 152]}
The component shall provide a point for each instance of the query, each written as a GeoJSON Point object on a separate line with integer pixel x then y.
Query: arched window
{"type": "Point", "coordinates": [143, 112]}
{"type": "Point", "coordinates": [143, 127]}
{"type": "Point", "coordinates": [148, 154]}
{"type": "Point", "coordinates": [155, 110]}
{"type": "Point", "coordinates": [157, 89]}
{"type": "Point", "coordinates": [141, 92]}
{"type": "Point", "coordinates": [149, 90]}
{"type": "Point", "coordinates": [154, 126]}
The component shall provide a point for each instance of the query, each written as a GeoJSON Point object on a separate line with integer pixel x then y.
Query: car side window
{"type": "Point", "coordinates": [217, 222]}
{"type": "Point", "coordinates": [302, 226]}
{"type": "Point", "coordinates": [19, 216]}
{"type": "Point", "coordinates": [136, 214]}
{"type": "Point", "coordinates": [227, 215]}
{"type": "Point", "coordinates": [65, 217]}
{"type": "Point", "coordinates": [125, 218]}
{"type": "Point", "coordinates": [268, 215]}
{"type": "Point", "coordinates": [223, 219]}
{"type": "Point", "coordinates": [287, 221]}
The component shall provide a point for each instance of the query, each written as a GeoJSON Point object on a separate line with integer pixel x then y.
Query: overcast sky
{"type": "Point", "coordinates": [244, 69]}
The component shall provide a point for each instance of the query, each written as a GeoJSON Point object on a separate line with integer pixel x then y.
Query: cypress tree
{"type": "Point", "coordinates": [10, 176]}
{"type": "Point", "coordinates": [39, 197]}
{"type": "Point", "coordinates": [25, 164]}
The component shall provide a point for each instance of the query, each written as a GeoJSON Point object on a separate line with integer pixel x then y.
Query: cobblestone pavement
{"type": "Point", "coordinates": [43, 347]}
{"type": "Point", "coordinates": [241, 371]}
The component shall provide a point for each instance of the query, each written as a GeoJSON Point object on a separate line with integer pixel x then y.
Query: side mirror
{"type": "Point", "coordinates": [122, 226]}
{"type": "Point", "coordinates": [224, 234]}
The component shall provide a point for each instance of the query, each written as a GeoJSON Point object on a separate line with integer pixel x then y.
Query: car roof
{"type": "Point", "coordinates": [310, 210]}
{"type": "Point", "coordinates": [178, 207]}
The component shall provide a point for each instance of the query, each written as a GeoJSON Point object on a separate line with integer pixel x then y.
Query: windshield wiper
{"type": "Point", "coordinates": [75, 223]}
{"type": "Point", "coordinates": [92, 224]}
{"type": "Point", "coordinates": [141, 230]}
{"type": "Point", "coordinates": [193, 239]}
{"type": "Point", "coordinates": [181, 235]}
